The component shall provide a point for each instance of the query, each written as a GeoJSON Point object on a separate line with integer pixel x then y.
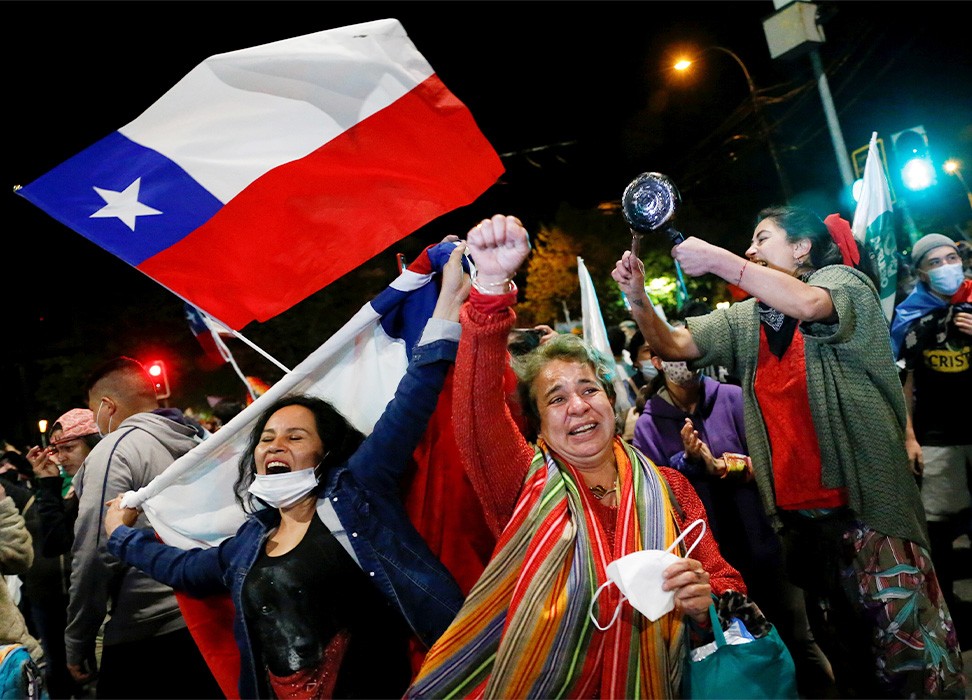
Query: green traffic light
{"type": "Point", "coordinates": [912, 152]}
{"type": "Point", "coordinates": [918, 174]}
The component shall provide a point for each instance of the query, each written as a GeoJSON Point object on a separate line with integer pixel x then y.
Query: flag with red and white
{"type": "Point", "coordinates": [191, 504]}
{"type": "Point", "coordinates": [215, 349]}
{"type": "Point", "coordinates": [267, 173]}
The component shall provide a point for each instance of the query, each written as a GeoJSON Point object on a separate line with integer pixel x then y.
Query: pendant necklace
{"type": "Point", "coordinates": [600, 492]}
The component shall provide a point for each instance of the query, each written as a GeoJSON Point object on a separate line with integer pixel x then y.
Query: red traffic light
{"type": "Point", "coordinates": [160, 377]}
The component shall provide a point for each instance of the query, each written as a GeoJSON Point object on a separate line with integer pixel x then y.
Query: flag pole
{"type": "Point", "coordinates": [239, 373]}
{"type": "Point", "coordinates": [226, 329]}
{"type": "Point", "coordinates": [228, 356]}
{"type": "Point", "coordinates": [260, 350]}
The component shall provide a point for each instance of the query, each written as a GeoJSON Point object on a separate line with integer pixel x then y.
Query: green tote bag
{"type": "Point", "coordinates": [762, 668]}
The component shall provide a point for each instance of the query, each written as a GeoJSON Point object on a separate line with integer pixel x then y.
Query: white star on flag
{"type": "Point", "coordinates": [124, 205]}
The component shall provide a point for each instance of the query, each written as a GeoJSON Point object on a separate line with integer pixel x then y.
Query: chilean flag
{"type": "Point", "coordinates": [217, 353]}
{"type": "Point", "coordinates": [267, 173]}
{"type": "Point", "coordinates": [357, 370]}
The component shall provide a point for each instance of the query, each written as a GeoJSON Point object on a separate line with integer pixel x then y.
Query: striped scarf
{"type": "Point", "coordinates": [524, 630]}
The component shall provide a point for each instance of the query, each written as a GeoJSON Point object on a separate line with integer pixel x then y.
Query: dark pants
{"type": "Point", "coordinates": [166, 666]}
{"type": "Point", "coordinates": [816, 552]}
{"type": "Point", "coordinates": [783, 604]}
{"type": "Point", "coordinates": [50, 618]}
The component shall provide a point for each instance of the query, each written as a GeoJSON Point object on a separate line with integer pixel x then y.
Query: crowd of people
{"type": "Point", "coordinates": [815, 456]}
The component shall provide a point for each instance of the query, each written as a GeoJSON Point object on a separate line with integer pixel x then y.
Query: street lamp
{"type": "Point", "coordinates": [684, 64]}
{"type": "Point", "coordinates": [953, 167]}
{"type": "Point", "coordinates": [42, 427]}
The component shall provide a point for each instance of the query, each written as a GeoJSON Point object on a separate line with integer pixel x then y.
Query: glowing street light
{"type": "Point", "coordinates": [954, 167]}
{"type": "Point", "coordinates": [42, 427]}
{"type": "Point", "coordinates": [684, 64]}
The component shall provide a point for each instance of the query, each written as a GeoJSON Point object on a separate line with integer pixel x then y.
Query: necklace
{"type": "Point", "coordinates": [600, 492]}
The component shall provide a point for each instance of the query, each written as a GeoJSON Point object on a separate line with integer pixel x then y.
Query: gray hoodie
{"type": "Point", "coordinates": [127, 459]}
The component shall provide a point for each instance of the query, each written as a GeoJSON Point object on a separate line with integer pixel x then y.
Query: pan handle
{"type": "Point", "coordinates": [674, 234]}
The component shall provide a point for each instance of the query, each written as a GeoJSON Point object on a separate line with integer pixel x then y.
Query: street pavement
{"type": "Point", "coordinates": [963, 616]}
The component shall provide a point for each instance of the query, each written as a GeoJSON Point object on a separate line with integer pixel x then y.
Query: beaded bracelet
{"type": "Point", "coordinates": [741, 271]}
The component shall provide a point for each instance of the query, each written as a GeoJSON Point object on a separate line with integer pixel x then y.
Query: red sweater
{"type": "Point", "coordinates": [495, 453]}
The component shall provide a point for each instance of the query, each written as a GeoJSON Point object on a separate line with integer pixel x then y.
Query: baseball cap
{"type": "Point", "coordinates": [76, 423]}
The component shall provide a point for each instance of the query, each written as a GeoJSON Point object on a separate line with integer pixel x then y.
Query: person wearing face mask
{"type": "Point", "coordinates": [643, 380]}
{"type": "Point", "coordinates": [694, 424]}
{"type": "Point", "coordinates": [140, 617]}
{"type": "Point", "coordinates": [825, 423]}
{"type": "Point", "coordinates": [941, 280]}
{"type": "Point", "coordinates": [563, 508]}
{"type": "Point", "coordinates": [328, 577]}
{"type": "Point", "coordinates": [935, 352]}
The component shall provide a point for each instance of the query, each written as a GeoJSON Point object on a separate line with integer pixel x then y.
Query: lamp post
{"type": "Point", "coordinates": [953, 167]}
{"type": "Point", "coordinates": [42, 427]}
{"type": "Point", "coordinates": [757, 112]}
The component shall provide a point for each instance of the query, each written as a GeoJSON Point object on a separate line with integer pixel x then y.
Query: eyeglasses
{"type": "Point", "coordinates": [932, 263]}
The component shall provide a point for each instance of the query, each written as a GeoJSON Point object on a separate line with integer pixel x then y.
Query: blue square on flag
{"type": "Point", "coordinates": [267, 173]}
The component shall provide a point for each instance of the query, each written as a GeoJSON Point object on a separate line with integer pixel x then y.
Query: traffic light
{"type": "Point", "coordinates": [160, 377]}
{"type": "Point", "coordinates": [914, 161]}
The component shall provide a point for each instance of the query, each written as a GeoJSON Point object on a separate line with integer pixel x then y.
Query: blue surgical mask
{"type": "Point", "coordinates": [946, 279]}
{"type": "Point", "coordinates": [648, 371]}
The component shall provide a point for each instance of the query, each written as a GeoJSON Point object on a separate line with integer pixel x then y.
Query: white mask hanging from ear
{"type": "Point", "coordinates": [639, 577]}
{"type": "Point", "coordinates": [98, 424]}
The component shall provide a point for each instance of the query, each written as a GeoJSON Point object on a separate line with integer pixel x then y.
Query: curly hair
{"type": "Point", "coordinates": [566, 347]}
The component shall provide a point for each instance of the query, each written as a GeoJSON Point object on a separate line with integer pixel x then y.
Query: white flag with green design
{"type": "Point", "coordinates": [873, 227]}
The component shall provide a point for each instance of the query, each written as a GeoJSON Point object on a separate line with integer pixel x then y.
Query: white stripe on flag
{"type": "Point", "coordinates": [264, 106]}
{"type": "Point", "coordinates": [191, 504]}
{"type": "Point", "coordinates": [592, 321]}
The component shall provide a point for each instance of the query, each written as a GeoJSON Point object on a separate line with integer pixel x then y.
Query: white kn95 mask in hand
{"type": "Point", "coordinates": [639, 578]}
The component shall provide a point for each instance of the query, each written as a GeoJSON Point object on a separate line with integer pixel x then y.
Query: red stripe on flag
{"type": "Point", "coordinates": [305, 224]}
{"type": "Point", "coordinates": [210, 622]}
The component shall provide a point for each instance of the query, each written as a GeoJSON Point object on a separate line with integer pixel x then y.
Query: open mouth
{"type": "Point", "coordinates": [583, 429]}
{"type": "Point", "coordinates": [277, 468]}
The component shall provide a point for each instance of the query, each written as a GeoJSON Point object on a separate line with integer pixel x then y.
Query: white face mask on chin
{"type": "Point", "coordinates": [284, 490]}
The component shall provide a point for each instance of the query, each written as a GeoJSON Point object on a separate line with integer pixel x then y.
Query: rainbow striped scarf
{"type": "Point", "coordinates": [524, 630]}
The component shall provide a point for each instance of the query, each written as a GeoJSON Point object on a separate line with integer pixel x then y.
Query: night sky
{"type": "Point", "coordinates": [577, 97]}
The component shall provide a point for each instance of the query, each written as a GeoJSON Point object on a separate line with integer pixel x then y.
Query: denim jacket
{"type": "Point", "coordinates": [361, 504]}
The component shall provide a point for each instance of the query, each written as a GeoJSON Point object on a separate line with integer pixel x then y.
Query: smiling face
{"type": "Point", "coordinates": [289, 442]}
{"type": "Point", "coordinates": [576, 414]}
{"type": "Point", "coordinates": [772, 248]}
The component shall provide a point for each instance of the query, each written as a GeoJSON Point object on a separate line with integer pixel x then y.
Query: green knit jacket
{"type": "Point", "coordinates": [856, 401]}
